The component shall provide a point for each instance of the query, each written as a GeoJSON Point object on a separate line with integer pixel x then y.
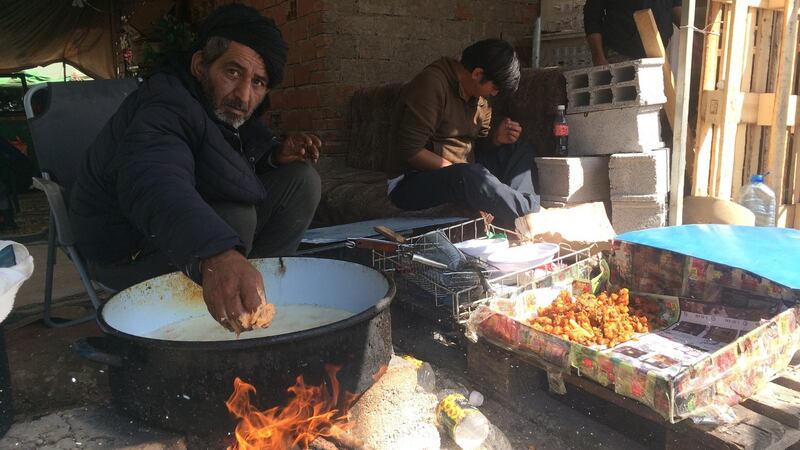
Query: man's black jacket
{"type": "Point", "coordinates": [614, 20]}
{"type": "Point", "coordinates": [154, 168]}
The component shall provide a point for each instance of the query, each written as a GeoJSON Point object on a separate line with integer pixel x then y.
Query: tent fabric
{"type": "Point", "coordinates": [773, 253]}
{"type": "Point", "coordinates": [39, 32]}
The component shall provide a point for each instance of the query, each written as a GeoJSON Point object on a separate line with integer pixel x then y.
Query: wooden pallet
{"type": "Point", "coordinates": [747, 106]}
{"type": "Point", "coordinates": [769, 420]}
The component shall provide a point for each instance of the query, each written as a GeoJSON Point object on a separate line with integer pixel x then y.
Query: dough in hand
{"type": "Point", "coordinates": [261, 318]}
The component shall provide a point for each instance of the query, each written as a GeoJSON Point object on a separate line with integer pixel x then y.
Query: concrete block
{"type": "Point", "coordinates": [573, 179]}
{"type": "Point", "coordinates": [632, 83]}
{"type": "Point", "coordinates": [632, 129]}
{"type": "Point", "coordinates": [639, 173]}
{"type": "Point", "coordinates": [637, 212]}
{"type": "Point", "coordinates": [562, 15]}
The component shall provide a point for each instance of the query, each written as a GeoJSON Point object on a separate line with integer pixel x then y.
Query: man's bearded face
{"type": "Point", "coordinates": [235, 84]}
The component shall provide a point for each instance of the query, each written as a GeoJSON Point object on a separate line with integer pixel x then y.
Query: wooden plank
{"type": "Point", "coordinates": [794, 184]}
{"type": "Point", "coordinates": [758, 84]}
{"type": "Point", "coordinates": [654, 48]}
{"type": "Point", "coordinates": [703, 141]}
{"type": "Point", "coordinates": [776, 5]}
{"type": "Point", "coordinates": [741, 128]}
{"type": "Point", "coordinates": [716, 141]}
{"type": "Point", "coordinates": [680, 127]}
{"type": "Point", "coordinates": [778, 403]}
{"type": "Point", "coordinates": [789, 378]}
{"type": "Point", "coordinates": [756, 108]}
{"type": "Point", "coordinates": [776, 153]}
{"type": "Point", "coordinates": [786, 216]}
{"type": "Point", "coordinates": [796, 222]}
{"type": "Point", "coordinates": [732, 99]}
{"type": "Point", "coordinates": [751, 431]}
{"type": "Point", "coordinates": [612, 397]}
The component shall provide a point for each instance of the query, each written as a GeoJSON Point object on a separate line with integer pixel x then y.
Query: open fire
{"type": "Point", "coordinates": [311, 413]}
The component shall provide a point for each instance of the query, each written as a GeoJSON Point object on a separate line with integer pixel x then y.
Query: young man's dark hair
{"type": "Point", "coordinates": [497, 59]}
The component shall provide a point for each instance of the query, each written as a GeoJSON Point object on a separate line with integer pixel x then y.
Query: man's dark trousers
{"type": "Point", "coordinates": [499, 182]}
{"type": "Point", "coordinates": [273, 228]}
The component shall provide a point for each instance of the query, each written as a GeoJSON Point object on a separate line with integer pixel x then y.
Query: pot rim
{"type": "Point", "coordinates": [238, 344]}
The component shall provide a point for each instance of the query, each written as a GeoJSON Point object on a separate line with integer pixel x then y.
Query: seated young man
{"type": "Point", "coordinates": [444, 145]}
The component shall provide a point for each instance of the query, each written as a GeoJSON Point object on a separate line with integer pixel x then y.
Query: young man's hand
{"type": "Point", "coordinates": [297, 147]}
{"type": "Point", "coordinates": [507, 132]}
{"type": "Point", "coordinates": [231, 287]}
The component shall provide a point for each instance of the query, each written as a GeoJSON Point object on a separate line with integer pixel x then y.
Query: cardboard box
{"type": "Point", "coordinates": [728, 330]}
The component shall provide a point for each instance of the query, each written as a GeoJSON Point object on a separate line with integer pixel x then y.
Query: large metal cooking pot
{"type": "Point", "coordinates": [183, 385]}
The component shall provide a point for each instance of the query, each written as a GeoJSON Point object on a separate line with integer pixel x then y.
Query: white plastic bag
{"type": "Point", "coordinates": [11, 278]}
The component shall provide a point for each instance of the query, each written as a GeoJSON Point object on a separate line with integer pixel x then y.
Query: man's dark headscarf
{"type": "Point", "coordinates": [247, 26]}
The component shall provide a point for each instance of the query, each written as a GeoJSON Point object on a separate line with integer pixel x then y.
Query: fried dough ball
{"type": "Point", "coordinates": [605, 320]}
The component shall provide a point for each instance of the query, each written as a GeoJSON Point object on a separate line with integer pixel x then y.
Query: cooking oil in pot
{"type": "Point", "coordinates": [288, 319]}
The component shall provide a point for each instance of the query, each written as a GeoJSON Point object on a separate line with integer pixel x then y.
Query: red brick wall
{"type": "Point", "coordinates": [336, 46]}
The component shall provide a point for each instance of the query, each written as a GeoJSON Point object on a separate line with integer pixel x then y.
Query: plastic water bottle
{"type": "Point", "coordinates": [468, 427]}
{"type": "Point", "coordinates": [759, 198]}
{"type": "Point", "coordinates": [426, 377]}
{"type": "Point", "coordinates": [561, 131]}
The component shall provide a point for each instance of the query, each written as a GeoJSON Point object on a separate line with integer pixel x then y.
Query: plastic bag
{"type": "Point", "coordinates": [11, 278]}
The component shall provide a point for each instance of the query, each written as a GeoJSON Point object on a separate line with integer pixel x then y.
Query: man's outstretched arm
{"type": "Point", "coordinates": [593, 13]}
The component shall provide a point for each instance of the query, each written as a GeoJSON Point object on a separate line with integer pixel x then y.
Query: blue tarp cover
{"type": "Point", "coordinates": [773, 253]}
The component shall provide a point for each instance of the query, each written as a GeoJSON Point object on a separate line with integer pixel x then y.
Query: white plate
{"type": "Point", "coordinates": [523, 257]}
{"type": "Point", "coordinates": [482, 248]}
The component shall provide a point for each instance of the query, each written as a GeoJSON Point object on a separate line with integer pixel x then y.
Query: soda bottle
{"type": "Point", "coordinates": [468, 427]}
{"type": "Point", "coordinates": [759, 198]}
{"type": "Point", "coordinates": [561, 131]}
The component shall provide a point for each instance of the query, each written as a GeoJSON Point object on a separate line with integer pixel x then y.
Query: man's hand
{"type": "Point", "coordinates": [599, 60]}
{"type": "Point", "coordinates": [507, 132]}
{"type": "Point", "coordinates": [297, 147]}
{"type": "Point", "coordinates": [231, 287]}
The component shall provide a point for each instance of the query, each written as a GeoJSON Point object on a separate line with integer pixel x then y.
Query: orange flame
{"type": "Point", "coordinates": [312, 412]}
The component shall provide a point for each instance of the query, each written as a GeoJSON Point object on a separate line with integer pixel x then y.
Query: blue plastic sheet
{"type": "Point", "coordinates": [773, 253]}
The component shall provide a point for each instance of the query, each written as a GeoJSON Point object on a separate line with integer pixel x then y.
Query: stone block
{"type": "Point", "coordinates": [632, 83]}
{"type": "Point", "coordinates": [637, 212]}
{"type": "Point", "coordinates": [633, 129]}
{"type": "Point", "coordinates": [639, 173]}
{"type": "Point", "coordinates": [573, 179]}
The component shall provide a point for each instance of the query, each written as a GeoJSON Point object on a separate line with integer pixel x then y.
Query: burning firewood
{"type": "Point", "coordinates": [312, 415]}
{"type": "Point", "coordinates": [321, 443]}
{"type": "Point", "coordinates": [339, 442]}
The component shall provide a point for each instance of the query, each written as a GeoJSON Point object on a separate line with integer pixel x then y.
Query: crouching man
{"type": "Point", "coordinates": [444, 146]}
{"type": "Point", "coordinates": [185, 176]}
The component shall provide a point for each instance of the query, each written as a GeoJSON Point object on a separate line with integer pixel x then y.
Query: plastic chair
{"type": "Point", "coordinates": [64, 119]}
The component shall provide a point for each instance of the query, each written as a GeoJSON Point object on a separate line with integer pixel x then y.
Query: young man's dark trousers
{"type": "Point", "coordinates": [499, 182]}
{"type": "Point", "coordinates": [273, 228]}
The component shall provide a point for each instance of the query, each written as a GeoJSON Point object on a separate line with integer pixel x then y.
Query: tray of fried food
{"type": "Point", "coordinates": [603, 320]}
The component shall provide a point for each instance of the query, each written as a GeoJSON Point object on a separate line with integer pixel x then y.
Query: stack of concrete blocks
{"type": "Point", "coordinates": [639, 188]}
{"type": "Point", "coordinates": [615, 110]}
{"type": "Point", "coordinates": [573, 180]}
